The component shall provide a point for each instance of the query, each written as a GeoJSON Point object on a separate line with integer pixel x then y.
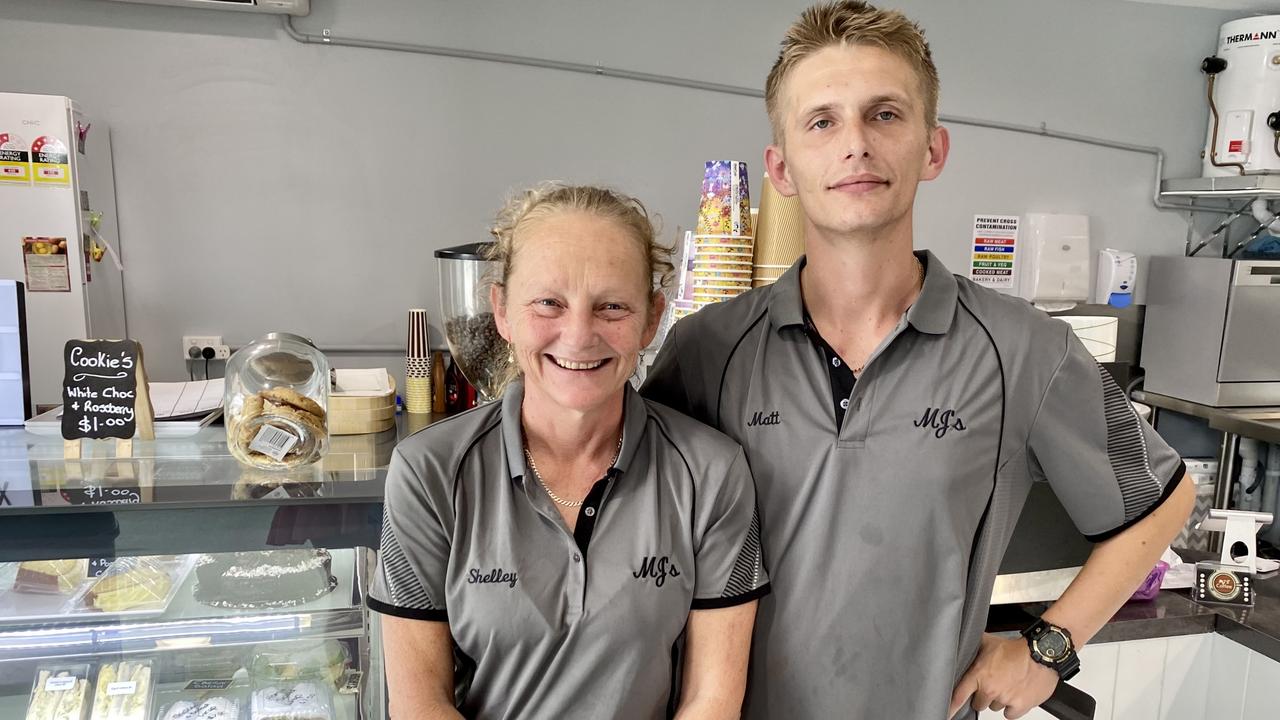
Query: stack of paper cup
{"type": "Point", "coordinates": [681, 308]}
{"type": "Point", "coordinates": [779, 240]}
{"type": "Point", "coordinates": [723, 243]}
{"type": "Point", "coordinates": [417, 365]}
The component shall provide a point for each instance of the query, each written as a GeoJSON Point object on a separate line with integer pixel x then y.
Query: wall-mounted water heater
{"type": "Point", "coordinates": [1243, 93]}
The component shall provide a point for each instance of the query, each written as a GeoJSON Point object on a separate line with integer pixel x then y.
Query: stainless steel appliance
{"type": "Point", "coordinates": [1212, 331]}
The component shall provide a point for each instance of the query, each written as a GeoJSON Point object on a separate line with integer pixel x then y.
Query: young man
{"type": "Point", "coordinates": [894, 416]}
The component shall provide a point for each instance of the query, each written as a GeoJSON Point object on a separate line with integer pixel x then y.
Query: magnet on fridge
{"type": "Point", "coordinates": [82, 131]}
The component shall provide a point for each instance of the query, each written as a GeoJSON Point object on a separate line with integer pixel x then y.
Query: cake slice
{"type": "Point", "coordinates": [140, 585]}
{"type": "Point", "coordinates": [50, 576]}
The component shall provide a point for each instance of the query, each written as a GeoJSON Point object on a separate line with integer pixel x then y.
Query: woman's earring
{"type": "Point", "coordinates": [511, 354]}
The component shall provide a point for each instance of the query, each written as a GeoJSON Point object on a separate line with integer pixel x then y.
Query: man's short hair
{"type": "Point", "coordinates": [852, 22]}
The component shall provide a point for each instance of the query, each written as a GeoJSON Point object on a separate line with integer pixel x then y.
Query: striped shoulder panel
{"type": "Point", "coordinates": [1127, 450]}
{"type": "Point", "coordinates": [401, 581]}
{"type": "Point", "coordinates": [749, 568]}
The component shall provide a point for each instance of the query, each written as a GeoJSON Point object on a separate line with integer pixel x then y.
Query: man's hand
{"type": "Point", "coordinates": [1004, 677]}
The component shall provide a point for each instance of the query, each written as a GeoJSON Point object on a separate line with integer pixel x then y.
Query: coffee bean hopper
{"type": "Point", "coordinates": [469, 329]}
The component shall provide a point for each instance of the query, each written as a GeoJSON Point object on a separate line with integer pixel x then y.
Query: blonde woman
{"type": "Point", "coordinates": [573, 550]}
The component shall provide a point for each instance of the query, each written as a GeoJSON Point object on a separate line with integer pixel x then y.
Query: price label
{"type": "Point", "coordinates": [59, 684]}
{"type": "Point", "coordinates": [278, 494]}
{"type": "Point", "coordinates": [351, 684]}
{"type": "Point", "coordinates": [97, 566]}
{"type": "Point", "coordinates": [99, 389]}
{"type": "Point", "coordinates": [98, 495]}
{"type": "Point", "coordinates": [274, 442]}
{"type": "Point", "coordinates": [209, 684]}
{"type": "Point", "coordinates": [128, 687]}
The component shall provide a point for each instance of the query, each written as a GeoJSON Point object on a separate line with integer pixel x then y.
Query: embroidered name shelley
{"type": "Point", "coordinates": [494, 576]}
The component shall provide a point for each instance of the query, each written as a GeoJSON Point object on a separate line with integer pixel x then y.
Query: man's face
{"type": "Point", "coordinates": [854, 140]}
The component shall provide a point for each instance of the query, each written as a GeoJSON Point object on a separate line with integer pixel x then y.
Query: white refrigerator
{"type": "Point", "coordinates": [58, 231]}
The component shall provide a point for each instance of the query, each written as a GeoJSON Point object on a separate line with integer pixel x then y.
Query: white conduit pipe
{"type": "Point", "coordinates": [1271, 494]}
{"type": "Point", "coordinates": [1262, 212]}
{"type": "Point", "coordinates": [1249, 491]}
{"type": "Point", "coordinates": [328, 38]}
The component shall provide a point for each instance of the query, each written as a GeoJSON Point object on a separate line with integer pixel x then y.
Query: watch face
{"type": "Point", "coordinates": [1053, 646]}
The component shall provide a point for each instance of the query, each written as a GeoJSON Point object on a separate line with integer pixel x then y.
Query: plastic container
{"type": "Point", "coordinates": [124, 691]}
{"type": "Point", "coordinates": [59, 692]}
{"type": "Point", "coordinates": [51, 577]}
{"type": "Point", "coordinates": [277, 402]}
{"type": "Point", "coordinates": [324, 660]}
{"type": "Point", "coordinates": [1150, 587]}
{"type": "Point", "coordinates": [469, 327]}
{"type": "Point", "coordinates": [133, 587]}
{"type": "Point", "coordinates": [306, 700]}
{"type": "Point", "coordinates": [205, 706]}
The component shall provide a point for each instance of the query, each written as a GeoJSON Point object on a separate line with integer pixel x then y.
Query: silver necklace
{"type": "Point", "coordinates": [554, 497]}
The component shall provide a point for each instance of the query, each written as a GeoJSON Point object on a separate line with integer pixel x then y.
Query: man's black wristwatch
{"type": "Point", "coordinates": [1052, 647]}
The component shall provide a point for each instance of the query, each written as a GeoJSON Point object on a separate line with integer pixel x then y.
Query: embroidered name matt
{"type": "Point", "coordinates": [763, 418]}
{"type": "Point", "coordinates": [494, 576]}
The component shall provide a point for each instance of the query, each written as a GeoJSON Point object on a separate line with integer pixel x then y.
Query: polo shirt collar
{"type": "Point", "coordinates": [931, 313]}
{"type": "Point", "coordinates": [786, 304]}
{"type": "Point", "coordinates": [634, 414]}
{"type": "Point", "coordinates": [934, 309]}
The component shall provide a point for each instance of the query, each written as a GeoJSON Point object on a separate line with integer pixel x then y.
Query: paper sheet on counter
{"type": "Point", "coordinates": [172, 400]}
{"type": "Point", "coordinates": [361, 382]}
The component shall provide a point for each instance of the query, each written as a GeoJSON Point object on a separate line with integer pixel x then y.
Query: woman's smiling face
{"type": "Point", "coordinates": [577, 307]}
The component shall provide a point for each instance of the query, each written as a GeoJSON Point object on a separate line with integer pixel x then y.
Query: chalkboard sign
{"type": "Point", "coordinates": [99, 565]}
{"type": "Point", "coordinates": [100, 389]}
{"type": "Point", "coordinates": [99, 495]}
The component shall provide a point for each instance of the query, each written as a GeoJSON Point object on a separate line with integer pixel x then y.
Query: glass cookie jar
{"type": "Point", "coordinates": [276, 402]}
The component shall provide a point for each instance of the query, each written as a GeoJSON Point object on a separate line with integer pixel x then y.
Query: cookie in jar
{"type": "Point", "coordinates": [277, 392]}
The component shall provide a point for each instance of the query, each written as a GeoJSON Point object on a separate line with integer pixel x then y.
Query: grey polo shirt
{"type": "Point", "coordinates": [552, 624]}
{"type": "Point", "coordinates": [884, 535]}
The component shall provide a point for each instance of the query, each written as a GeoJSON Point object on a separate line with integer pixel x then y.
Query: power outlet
{"type": "Point", "coordinates": [200, 342]}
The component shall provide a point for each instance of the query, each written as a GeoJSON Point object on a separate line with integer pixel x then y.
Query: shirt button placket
{"type": "Point", "coordinates": [577, 585]}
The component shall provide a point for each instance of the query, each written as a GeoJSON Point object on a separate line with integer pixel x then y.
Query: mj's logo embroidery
{"type": "Point", "coordinates": [658, 568]}
{"type": "Point", "coordinates": [940, 421]}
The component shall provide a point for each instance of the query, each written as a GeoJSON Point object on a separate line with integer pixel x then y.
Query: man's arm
{"type": "Point", "coordinates": [1117, 566]}
{"type": "Point", "coordinates": [1004, 674]}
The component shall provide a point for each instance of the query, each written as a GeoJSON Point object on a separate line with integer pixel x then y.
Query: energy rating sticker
{"type": "Point", "coordinates": [995, 241]}
{"type": "Point", "coordinates": [50, 162]}
{"type": "Point", "coordinates": [15, 161]}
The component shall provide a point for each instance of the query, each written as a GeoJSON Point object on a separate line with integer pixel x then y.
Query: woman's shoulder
{"type": "Point", "coordinates": [446, 442]}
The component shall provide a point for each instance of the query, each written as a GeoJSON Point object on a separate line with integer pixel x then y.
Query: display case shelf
{"type": "Point", "coordinates": [189, 624]}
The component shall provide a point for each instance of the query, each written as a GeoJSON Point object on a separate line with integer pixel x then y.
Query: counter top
{"type": "Point", "coordinates": [207, 502]}
{"type": "Point", "coordinates": [1172, 613]}
{"type": "Point", "coordinates": [1259, 423]}
{"type": "Point", "coordinates": [196, 496]}
{"type": "Point", "coordinates": [189, 472]}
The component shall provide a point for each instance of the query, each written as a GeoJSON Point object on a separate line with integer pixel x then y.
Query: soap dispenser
{"type": "Point", "coordinates": [1117, 271]}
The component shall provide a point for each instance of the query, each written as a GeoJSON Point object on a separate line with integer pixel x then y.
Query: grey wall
{"type": "Point", "coordinates": [263, 184]}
